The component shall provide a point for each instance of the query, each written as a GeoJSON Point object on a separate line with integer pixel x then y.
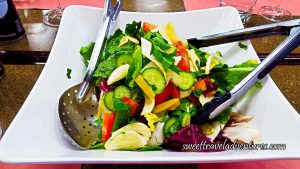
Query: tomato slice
{"type": "Point", "coordinates": [181, 50]}
{"type": "Point", "coordinates": [133, 105]}
{"type": "Point", "coordinates": [184, 64]}
{"type": "Point", "coordinates": [147, 27]}
{"type": "Point", "coordinates": [107, 125]}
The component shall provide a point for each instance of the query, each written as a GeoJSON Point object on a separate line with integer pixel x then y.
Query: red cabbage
{"type": "Point", "coordinates": [191, 134]}
{"type": "Point", "coordinates": [104, 87]}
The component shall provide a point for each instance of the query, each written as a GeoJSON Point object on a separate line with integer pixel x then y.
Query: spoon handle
{"type": "Point", "coordinates": [110, 14]}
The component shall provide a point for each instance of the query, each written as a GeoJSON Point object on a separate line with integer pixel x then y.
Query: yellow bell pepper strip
{"type": "Point", "coordinates": [139, 80]}
{"type": "Point", "coordinates": [168, 105]}
{"type": "Point", "coordinates": [152, 118]}
{"type": "Point", "coordinates": [170, 33]}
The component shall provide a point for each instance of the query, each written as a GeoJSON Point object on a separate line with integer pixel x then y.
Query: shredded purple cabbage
{"type": "Point", "coordinates": [104, 87]}
{"type": "Point", "coordinates": [191, 134]}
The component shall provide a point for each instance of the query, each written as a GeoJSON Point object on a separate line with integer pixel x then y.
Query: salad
{"type": "Point", "coordinates": [150, 83]}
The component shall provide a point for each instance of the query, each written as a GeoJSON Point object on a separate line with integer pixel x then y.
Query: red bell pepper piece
{"type": "Point", "coordinates": [147, 27]}
{"type": "Point", "coordinates": [133, 105]}
{"type": "Point", "coordinates": [107, 125]}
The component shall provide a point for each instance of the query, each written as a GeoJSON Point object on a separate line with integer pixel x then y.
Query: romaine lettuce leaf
{"type": "Point", "coordinates": [135, 66]}
{"type": "Point", "coordinates": [105, 68]}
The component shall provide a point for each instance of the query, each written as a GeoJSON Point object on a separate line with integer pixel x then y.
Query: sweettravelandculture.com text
{"type": "Point", "coordinates": [205, 146]}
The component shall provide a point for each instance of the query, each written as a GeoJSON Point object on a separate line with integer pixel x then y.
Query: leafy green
{"type": "Point", "coordinates": [186, 106]}
{"type": "Point", "coordinates": [134, 29]}
{"type": "Point", "coordinates": [224, 116]}
{"type": "Point", "coordinates": [248, 63]}
{"type": "Point", "coordinates": [69, 71]}
{"type": "Point", "coordinates": [98, 124]}
{"type": "Point", "coordinates": [105, 68]}
{"type": "Point", "coordinates": [112, 46]}
{"type": "Point", "coordinates": [98, 145]}
{"type": "Point", "coordinates": [135, 66]}
{"type": "Point", "coordinates": [120, 105]}
{"type": "Point", "coordinates": [122, 115]}
{"type": "Point", "coordinates": [243, 46]}
{"type": "Point", "coordinates": [162, 50]}
{"type": "Point", "coordinates": [150, 148]}
{"type": "Point", "coordinates": [86, 52]}
{"type": "Point", "coordinates": [202, 55]}
{"type": "Point", "coordinates": [231, 76]}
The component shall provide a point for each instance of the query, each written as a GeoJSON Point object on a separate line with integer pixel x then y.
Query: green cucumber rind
{"type": "Point", "coordinates": [183, 80]}
{"type": "Point", "coordinates": [122, 91]}
{"type": "Point", "coordinates": [108, 100]}
{"type": "Point", "coordinates": [155, 78]}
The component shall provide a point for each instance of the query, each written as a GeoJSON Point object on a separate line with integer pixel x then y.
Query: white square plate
{"type": "Point", "coordinates": [35, 135]}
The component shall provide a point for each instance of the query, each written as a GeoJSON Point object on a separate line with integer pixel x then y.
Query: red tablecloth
{"type": "Point", "coordinates": [292, 5]}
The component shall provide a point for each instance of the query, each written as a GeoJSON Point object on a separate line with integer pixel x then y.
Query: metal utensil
{"type": "Point", "coordinates": [78, 105]}
{"type": "Point", "coordinates": [280, 28]}
{"type": "Point", "coordinates": [217, 105]}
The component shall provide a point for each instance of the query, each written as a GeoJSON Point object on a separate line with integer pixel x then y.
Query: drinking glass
{"type": "Point", "coordinates": [274, 12]}
{"type": "Point", "coordinates": [245, 7]}
{"type": "Point", "coordinates": [53, 17]}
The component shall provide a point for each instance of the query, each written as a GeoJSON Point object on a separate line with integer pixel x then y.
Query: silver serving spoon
{"type": "Point", "coordinates": [78, 105]}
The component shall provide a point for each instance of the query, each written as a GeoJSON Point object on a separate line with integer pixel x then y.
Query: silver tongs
{"type": "Point", "coordinates": [218, 104]}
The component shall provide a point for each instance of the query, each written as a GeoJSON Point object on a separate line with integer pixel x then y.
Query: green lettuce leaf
{"type": "Point", "coordinates": [105, 68]}
{"type": "Point", "coordinates": [135, 66]}
{"type": "Point", "coordinates": [162, 50]}
{"type": "Point", "coordinates": [134, 29]}
{"type": "Point", "coordinates": [86, 52]}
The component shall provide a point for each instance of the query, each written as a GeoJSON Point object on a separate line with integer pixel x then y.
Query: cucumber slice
{"type": "Point", "coordinates": [155, 79]}
{"type": "Point", "coordinates": [183, 80]}
{"type": "Point", "coordinates": [122, 91]}
{"type": "Point", "coordinates": [124, 59]}
{"type": "Point", "coordinates": [108, 101]}
{"type": "Point", "coordinates": [171, 126]}
{"type": "Point", "coordinates": [185, 119]}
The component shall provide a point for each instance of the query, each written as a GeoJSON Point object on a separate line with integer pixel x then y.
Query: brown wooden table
{"type": "Point", "coordinates": [24, 60]}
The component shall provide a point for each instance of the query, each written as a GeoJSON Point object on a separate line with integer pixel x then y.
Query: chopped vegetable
{"type": "Point", "coordinates": [132, 104]}
{"type": "Point", "coordinates": [105, 68]}
{"type": "Point", "coordinates": [170, 33]}
{"type": "Point", "coordinates": [191, 134]}
{"type": "Point", "coordinates": [107, 125]}
{"type": "Point", "coordinates": [122, 91]}
{"type": "Point", "coordinates": [152, 118]}
{"type": "Point", "coordinates": [147, 27]}
{"type": "Point", "coordinates": [184, 64]}
{"type": "Point", "coordinates": [123, 60]}
{"type": "Point", "coordinates": [155, 79]}
{"type": "Point", "coordinates": [181, 50]}
{"type": "Point", "coordinates": [145, 87]}
{"type": "Point", "coordinates": [135, 66]}
{"type": "Point", "coordinates": [69, 71]}
{"type": "Point", "coordinates": [243, 46]}
{"type": "Point", "coordinates": [168, 105]}
{"type": "Point", "coordinates": [171, 126]}
{"type": "Point", "coordinates": [183, 80]}
{"type": "Point", "coordinates": [118, 74]}
{"type": "Point", "coordinates": [108, 101]}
